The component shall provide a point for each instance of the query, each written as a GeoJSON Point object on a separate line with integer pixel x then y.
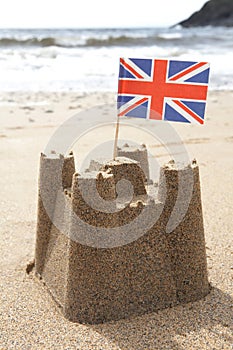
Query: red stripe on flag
{"type": "Point", "coordinates": [132, 70]}
{"type": "Point", "coordinates": [189, 111]}
{"type": "Point", "coordinates": [132, 107]}
{"type": "Point", "coordinates": [189, 70]}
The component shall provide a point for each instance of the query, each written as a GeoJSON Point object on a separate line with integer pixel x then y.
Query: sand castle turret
{"type": "Point", "coordinates": [138, 153]}
{"type": "Point", "coordinates": [92, 283]}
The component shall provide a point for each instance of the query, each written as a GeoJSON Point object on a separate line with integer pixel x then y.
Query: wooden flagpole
{"type": "Point", "coordinates": [116, 138]}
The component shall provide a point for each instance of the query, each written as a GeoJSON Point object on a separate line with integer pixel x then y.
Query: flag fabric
{"type": "Point", "coordinates": [163, 89]}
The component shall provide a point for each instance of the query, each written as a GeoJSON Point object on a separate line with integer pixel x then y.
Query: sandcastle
{"type": "Point", "coordinates": [90, 267]}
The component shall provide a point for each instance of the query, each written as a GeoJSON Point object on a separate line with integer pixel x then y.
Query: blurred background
{"type": "Point", "coordinates": [76, 45]}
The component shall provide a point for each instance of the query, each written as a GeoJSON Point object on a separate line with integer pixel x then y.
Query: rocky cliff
{"type": "Point", "coordinates": [214, 13]}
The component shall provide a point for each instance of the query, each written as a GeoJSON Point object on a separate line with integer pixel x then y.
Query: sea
{"type": "Point", "coordinates": [87, 60]}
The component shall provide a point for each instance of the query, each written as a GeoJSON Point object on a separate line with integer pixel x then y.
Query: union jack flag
{"type": "Point", "coordinates": [163, 89]}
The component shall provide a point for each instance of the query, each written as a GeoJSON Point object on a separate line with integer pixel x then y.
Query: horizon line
{"type": "Point", "coordinates": [90, 27]}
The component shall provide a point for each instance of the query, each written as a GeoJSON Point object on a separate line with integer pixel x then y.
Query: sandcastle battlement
{"type": "Point", "coordinates": [158, 269]}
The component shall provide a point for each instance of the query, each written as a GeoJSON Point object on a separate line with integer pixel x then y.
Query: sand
{"type": "Point", "coordinates": [29, 318]}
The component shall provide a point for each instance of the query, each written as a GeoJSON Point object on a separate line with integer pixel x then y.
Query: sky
{"type": "Point", "coordinates": [95, 13]}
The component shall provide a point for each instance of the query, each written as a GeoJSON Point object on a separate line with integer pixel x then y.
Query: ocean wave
{"type": "Point", "coordinates": [14, 42]}
{"type": "Point", "coordinates": [118, 41]}
{"type": "Point", "coordinates": [95, 41]}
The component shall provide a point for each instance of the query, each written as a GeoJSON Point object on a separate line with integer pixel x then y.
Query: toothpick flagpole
{"type": "Point", "coordinates": [116, 138]}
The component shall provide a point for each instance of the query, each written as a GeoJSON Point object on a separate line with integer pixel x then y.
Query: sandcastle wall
{"type": "Point", "coordinates": [93, 284]}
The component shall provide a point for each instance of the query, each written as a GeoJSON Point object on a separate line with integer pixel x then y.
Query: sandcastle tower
{"type": "Point", "coordinates": [138, 153]}
{"type": "Point", "coordinates": [92, 283]}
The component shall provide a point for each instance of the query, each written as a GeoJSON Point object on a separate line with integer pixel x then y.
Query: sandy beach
{"type": "Point", "coordinates": [29, 317]}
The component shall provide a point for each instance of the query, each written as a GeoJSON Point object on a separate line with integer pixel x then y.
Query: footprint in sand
{"type": "Point", "coordinates": [27, 108]}
{"type": "Point", "coordinates": [199, 140]}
